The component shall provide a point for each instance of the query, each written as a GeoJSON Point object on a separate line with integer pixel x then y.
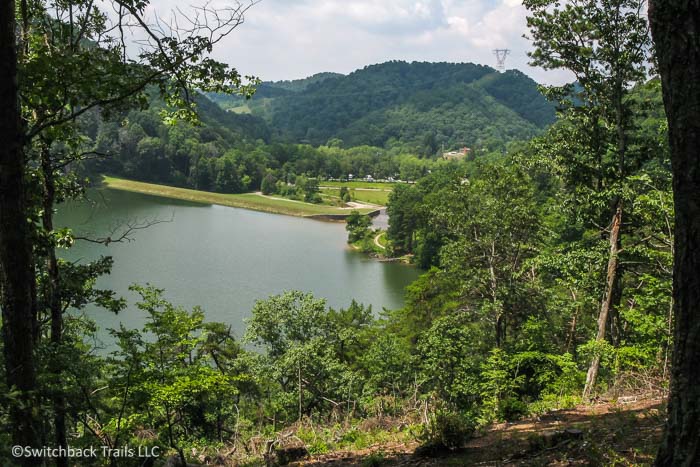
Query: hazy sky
{"type": "Point", "coordinates": [288, 39]}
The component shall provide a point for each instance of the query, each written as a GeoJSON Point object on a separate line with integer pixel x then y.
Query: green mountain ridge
{"type": "Point", "coordinates": [270, 89]}
{"type": "Point", "coordinates": [420, 106]}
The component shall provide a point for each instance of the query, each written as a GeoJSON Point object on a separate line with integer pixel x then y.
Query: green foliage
{"type": "Point", "coordinates": [416, 106]}
{"type": "Point", "coordinates": [494, 223]}
{"type": "Point", "coordinates": [311, 353]}
{"type": "Point", "coordinates": [268, 185]}
{"type": "Point", "coordinates": [410, 209]}
{"type": "Point", "coordinates": [432, 295]}
{"type": "Point", "coordinates": [357, 226]}
{"type": "Point", "coordinates": [387, 366]}
{"type": "Point", "coordinates": [309, 186]}
{"type": "Point", "coordinates": [230, 154]}
{"type": "Point", "coordinates": [404, 217]}
{"type": "Point", "coordinates": [345, 194]}
{"type": "Point", "coordinates": [284, 321]}
{"type": "Point", "coordinates": [501, 324]}
{"type": "Point", "coordinates": [180, 380]}
{"type": "Point", "coordinates": [517, 245]}
{"type": "Point", "coordinates": [376, 459]}
{"type": "Point", "coordinates": [553, 402]}
{"type": "Point", "coordinates": [449, 354]}
{"type": "Point", "coordinates": [498, 387]}
{"type": "Point", "coordinates": [448, 429]}
{"type": "Point", "coordinates": [647, 343]}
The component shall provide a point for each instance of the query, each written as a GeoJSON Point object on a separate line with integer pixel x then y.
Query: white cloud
{"type": "Point", "coordinates": [459, 25]}
{"type": "Point", "coordinates": [286, 39]}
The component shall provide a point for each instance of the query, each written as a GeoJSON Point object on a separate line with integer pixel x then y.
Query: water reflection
{"type": "Point", "coordinates": [224, 259]}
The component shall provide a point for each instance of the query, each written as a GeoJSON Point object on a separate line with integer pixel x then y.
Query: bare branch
{"type": "Point", "coordinates": [123, 233]}
{"type": "Point", "coordinates": [159, 56]}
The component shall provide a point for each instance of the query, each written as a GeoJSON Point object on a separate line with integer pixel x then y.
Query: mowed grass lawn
{"type": "Point", "coordinates": [367, 196]}
{"type": "Point", "coordinates": [245, 200]}
{"type": "Point", "coordinates": [360, 184]}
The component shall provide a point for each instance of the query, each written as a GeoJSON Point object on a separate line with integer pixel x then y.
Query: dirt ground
{"type": "Point", "coordinates": [609, 434]}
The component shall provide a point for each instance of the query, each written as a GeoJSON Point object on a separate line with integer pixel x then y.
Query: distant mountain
{"type": "Point", "coordinates": [230, 126]}
{"type": "Point", "coordinates": [419, 106]}
{"type": "Point", "coordinates": [303, 84]}
{"type": "Point", "coordinates": [267, 90]}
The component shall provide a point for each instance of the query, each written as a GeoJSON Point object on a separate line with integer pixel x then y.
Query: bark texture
{"type": "Point", "coordinates": [16, 264]}
{"type": "Point", "coordinates": [675, 26]}
{"type": "Point", "coordinates": [607, 302]}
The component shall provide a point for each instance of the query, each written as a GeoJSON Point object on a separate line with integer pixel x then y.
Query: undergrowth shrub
{"type": "Point", "coordinates": [448, 429]}
{"type": "Point", "coordinates": [376, 459]}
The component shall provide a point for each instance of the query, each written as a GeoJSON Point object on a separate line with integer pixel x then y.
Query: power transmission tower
{"type": "Point", "coordinates": [501, 55]}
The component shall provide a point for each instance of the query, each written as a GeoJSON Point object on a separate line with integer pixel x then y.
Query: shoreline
{"type": "Point", "coordinates": [250, 201]}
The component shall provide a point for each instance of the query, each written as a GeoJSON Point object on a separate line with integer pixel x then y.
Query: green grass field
{"type": "Point", "coordinates": [241, 109]}
{"type": "Point", "coordinates": [360, 184]}
{"type": "Point", "coordinates": [367, 196]}
{"type": "Point", "coordinates": [246, 200]}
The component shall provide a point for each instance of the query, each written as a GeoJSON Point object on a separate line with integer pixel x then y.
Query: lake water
{"type": "Point", "coordinates": [224, 259]}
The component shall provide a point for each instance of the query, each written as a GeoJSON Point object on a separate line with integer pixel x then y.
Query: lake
{"type": "Point", "coordinates": [224, 259]}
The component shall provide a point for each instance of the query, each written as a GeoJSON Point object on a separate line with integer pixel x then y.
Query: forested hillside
{"type": "Point", "coordinates": [550, 266]}
{"type": "Point", "coordinates": [268, 89]}
{"type": "Point", "coordinates": [139, 144]}
{"type": "Point", "coordinates": [225, 152]}
{"type": "Point", "coordinates": [419, 106]}
{"type": "Point", "coordinates": [380, 121]}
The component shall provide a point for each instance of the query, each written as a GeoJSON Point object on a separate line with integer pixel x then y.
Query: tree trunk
{"type": "Point", "coordinates": [572, 328]}
{"type": "Point", "coordinates": [675, 26]}
{"type": "Point", "coordinates": [17, 282]}
{"type": "Point", "coordinates": [608, 295]}
{"type": "Point", "coordinates": [614, 325]}
{"type": "Point", "coordinates": [500, 317]}
{"type": "Point", "coordinates": [300, 394]}
{"type": "Point", "coordinates": [53, 301]}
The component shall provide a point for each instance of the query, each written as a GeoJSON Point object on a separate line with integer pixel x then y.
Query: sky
{"type": "Point", "coordinates": [290, 39]}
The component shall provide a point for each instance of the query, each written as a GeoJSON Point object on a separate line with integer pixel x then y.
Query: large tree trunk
{"type": "Point", "coordinates": [16, 264]}
{"type": "Point", "coordinates": [607, 302]}
{"type": "Point", "coordinates": [675, 26]}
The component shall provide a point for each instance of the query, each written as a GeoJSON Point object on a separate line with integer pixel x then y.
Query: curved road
{"type": "Point", "coordinates": [376, 240]}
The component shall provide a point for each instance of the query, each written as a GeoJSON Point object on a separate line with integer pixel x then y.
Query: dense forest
{"type": "Point", "coordinates": [427, 108]}
{"type": "Point", "coordinates": [548, 255]}
{"type": "Point", "coordinates": [420, 107]}
{"type": "Point", "coordinates": [226, 152]}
